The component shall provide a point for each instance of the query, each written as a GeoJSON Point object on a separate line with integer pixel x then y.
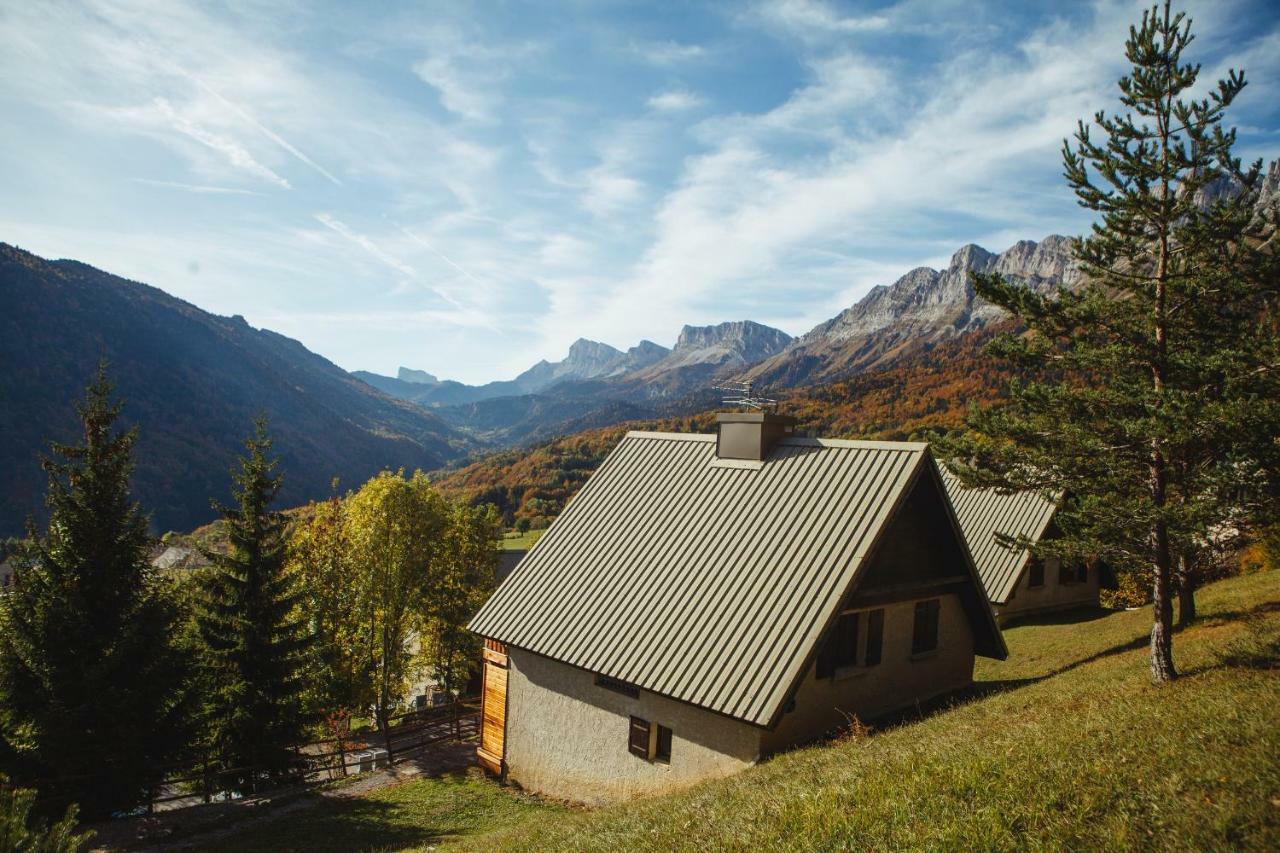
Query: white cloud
{"type": "Point", "coordinates": [676, 100]}
{"type": "Point", "coordinates": [365, 243]}
{"type": "Point", "coordinates": [668, 52]}
{"type": "Point", "coordinates": [196, 188]}
{"type": "Point", "coordinates": [235, 153]}
{"type": "Point", "coordinates": [815, 18]}
{"type": "Point", "coordinates": [459, 93]}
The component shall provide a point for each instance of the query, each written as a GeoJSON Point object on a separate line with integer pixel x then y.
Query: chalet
{"type": "Point", "coordinates": [707, 600]}
{"type": "Point", "coordinates": [1018, 583]}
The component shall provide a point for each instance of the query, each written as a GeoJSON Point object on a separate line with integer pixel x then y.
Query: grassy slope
{"type": "Point", "coordinates": [1071, 746]}
{"type": "Point", "coordinates": [1066, 744]}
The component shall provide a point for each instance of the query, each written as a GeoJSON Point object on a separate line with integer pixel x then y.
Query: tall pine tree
{"type": "Point", "coordinates": [254, 641]}
{"type": "Point", "coordinates": [91, 688]}
{"type": "Point", "coordinates": [1150, 394]}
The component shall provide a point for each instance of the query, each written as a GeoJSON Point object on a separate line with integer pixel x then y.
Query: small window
{"type": "Point", "coordinates": [638, 739]}
{"type": "Point", "coordinates": [1036, 571]}
{"type": "Point", "coordinates": [875, 637]}
{"type": "Point", "coordinates": [1069, 574]}
{"type": "Point", "coordinates": [662, 750]}
{"type": "Point", "coordinates": [924, 635]}
{"type": "Point", "coordinates": [617, 686]}
{"type": "Point", "coordinates": [841, 646]}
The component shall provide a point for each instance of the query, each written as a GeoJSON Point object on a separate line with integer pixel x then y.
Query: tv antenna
{"type": "Point", "coordinates": [744, 395]}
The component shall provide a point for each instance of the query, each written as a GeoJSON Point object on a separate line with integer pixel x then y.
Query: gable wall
{"type": "Point", "coordinates": [896, 682]}
{"type": "Point", "coordinates": [567, 736]}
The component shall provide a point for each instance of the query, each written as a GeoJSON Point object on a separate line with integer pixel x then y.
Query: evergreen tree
{"type": "Point", "coordinates": [1149, 396]}
{"type": "Point", "coordinates": [21, 833]}
{"type": "Point", "coordinates": [254, 640]}
{"type": "Point", "coordinates": [92, 690]}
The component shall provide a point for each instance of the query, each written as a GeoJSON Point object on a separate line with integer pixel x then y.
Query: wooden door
{"type": "Point", "coordinates": [493, 718]}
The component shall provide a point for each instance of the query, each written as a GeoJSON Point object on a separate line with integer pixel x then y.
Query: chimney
{"type": "Point", "coordinates": [750, 435]}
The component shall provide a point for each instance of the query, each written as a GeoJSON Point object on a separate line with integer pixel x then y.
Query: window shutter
{"type": "Point", "coordinates": [1037, 573]}
{"type": "Point", "coordinates": [924, 634]}
{"type": "Point", "coordinates": [875, 637]}
{"type": "Point", "coordinates": [638, 741]}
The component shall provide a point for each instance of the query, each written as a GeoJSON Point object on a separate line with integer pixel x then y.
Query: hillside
{"type": "Point", "coordinates": [1066, 745]}
{"type": "Point", "coordinates": [932, 388]}
{"type": "Point", "coordinates": [192, 382]}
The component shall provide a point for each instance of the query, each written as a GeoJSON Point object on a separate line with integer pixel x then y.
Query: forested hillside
{"type": "Point", "coordinates": [192, 382]}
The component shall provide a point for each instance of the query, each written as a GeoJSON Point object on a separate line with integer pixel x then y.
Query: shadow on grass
{"type": "Point", "coordinates": [1074, 616]}
{"type": "Point", "coordinates": [347, 823]}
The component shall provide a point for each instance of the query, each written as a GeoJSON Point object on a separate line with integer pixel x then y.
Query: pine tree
{"type": "Point", "coordinates": [91, 686]}
{"type": "Point", "coordinates": [254, 641]}
{"type": "Point", "coordinates": [1149, 395]}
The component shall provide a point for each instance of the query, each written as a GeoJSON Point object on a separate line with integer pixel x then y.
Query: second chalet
{"type": "Point", "coordinates": [1018, 583]}
{"type": "Point", "coordinates": [707, 600]}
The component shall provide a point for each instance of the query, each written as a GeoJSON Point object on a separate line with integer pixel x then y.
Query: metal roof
{"type": "Point", "coordinates": [984, 513]}
{"type": "Point", "coordinates": [703, 579]}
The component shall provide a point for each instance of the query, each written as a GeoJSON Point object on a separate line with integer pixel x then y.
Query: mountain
{"type": "Point", "coordinates": [192, 382]}
{"type": "Point", "coordinates": [418, 377]}
{"type": "Point", "coordinates": [918, 311]}
{"type": "Point", "coordinates": [586, 360]}
{"type": "Point", "coordinates": [702, 355]}
{"type": "Point", "coordinates": [927, 390]}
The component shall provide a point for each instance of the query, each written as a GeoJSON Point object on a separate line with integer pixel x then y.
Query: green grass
{"type": "Point", "coordinates": [1065, 745]}
{"type": "Point", "coordinates": [520, 541]}
{"type": "Point", "coordinates": [409, 816]}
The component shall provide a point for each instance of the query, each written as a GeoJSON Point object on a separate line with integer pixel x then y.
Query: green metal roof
{"type": "Point", "coordinates": [703, 579]}
{"type": "Point", "coordinates": [984, 513]}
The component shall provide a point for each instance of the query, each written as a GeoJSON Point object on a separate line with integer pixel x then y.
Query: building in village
{"type": "Point", "coordinates": [1018, 583]}
{"type": "Point", "coordinates": [706, 600]}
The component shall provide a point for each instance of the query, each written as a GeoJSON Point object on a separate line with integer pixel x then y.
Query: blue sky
{"type": "Point", "coordinates": [466, 188]}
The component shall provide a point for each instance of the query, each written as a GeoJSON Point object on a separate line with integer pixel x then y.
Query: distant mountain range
{"type": "Point", "coordinates": [192, 382]}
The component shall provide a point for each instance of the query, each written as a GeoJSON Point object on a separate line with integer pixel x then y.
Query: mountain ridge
{"type": "Point", "coordinates": [192, 381]}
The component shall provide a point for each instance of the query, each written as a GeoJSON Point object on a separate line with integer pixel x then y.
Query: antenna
{"type": "Point", "coordinates": [745, 396]}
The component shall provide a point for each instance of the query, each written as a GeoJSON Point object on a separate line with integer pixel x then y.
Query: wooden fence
{"type": "Point", "coordinates": [411, 734]}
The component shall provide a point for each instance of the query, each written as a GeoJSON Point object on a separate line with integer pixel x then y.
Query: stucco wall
{"type": "Point", "coordinates": [1027, 600]}
{"type": "Point", "coordinates": [567, 736]}
{"type": "Point", "coordinates": [897, 682]}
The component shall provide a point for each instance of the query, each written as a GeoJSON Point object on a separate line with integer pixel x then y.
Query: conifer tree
{"type": "Point", "coordinates": [1149, 395]}
{"type": "Point", "coordinates": [92, 690]}
{"type": "Point", "coordinates": [254, 640]}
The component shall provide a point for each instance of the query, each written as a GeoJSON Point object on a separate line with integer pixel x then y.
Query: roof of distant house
{"type": "Point", "coordinates": [987, 514]}
{"type": "Point", "coordinates": [705, 579]}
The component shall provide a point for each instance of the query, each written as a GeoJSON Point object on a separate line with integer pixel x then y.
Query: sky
{"type": "Point", "coordinates": [466, 188]}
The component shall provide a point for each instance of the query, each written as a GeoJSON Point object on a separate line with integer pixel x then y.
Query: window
{"type": "Point", "coordinates": [841, 646]}
{"type": "Point", "coordinates": [649, 741]}
{"type": "Point", "coordinates": [638, 739]}
{"type": "Point", "coordinates": [875, 637]}
{"type": "Point", "coordinates": [617, 686]}
{"type": "Point", "coordinates": [840, 650]}
{"type": "Point", "coordinates": [924, 635]}
{"type": "Point", "coordinates": [662, 751]}
{"type": "Point", "coordinates": [1036, 570]}
{"type": "Point", "coordinates": [1070, 574]}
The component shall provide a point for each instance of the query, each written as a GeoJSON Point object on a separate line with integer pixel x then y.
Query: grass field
{"type": "Point", "coordinates": [1065, 745]}
{"type": "Point", "coordinates": [519, 541]}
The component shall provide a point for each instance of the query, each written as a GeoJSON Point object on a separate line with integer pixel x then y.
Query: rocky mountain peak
{"type": "Point", "coordinates": [417, 377]}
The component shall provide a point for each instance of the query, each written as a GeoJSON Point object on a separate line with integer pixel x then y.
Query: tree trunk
{"type": "Point", "coordinates": [1162, 668]}
{"type": "Point", "coordinates": [1186, 590]}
